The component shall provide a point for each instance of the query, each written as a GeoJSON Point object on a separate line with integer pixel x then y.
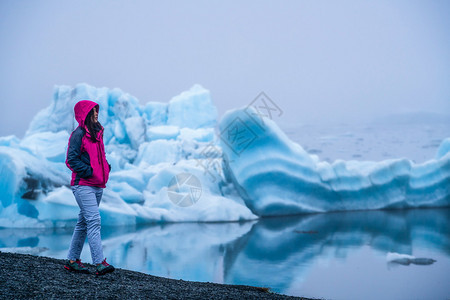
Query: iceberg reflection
{"type": "Point", "coordinates": [278, 251]}
{"type": "Point", "coordinates": [271, 252]}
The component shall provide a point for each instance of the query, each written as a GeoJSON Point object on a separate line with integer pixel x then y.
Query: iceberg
{"type": "Point", "coordinates": [275, 176]}
{"type": "Point", "coordinates": [250, 170]}
{"type": "Point", "coordinates": [146, 145]}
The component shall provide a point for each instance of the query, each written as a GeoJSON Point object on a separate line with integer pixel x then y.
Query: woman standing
{"type": "Point", "coordinates": [90, 171]}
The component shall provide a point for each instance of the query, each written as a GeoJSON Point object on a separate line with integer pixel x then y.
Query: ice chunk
{"type": "Point", "coordinates": [128, 193]}
{"type": "Point", "coordinates": [116, 212]}
{"type": "Point", "coordinates": [24, 176]}
{"type": "Point", "coordinates": [405, 259]}
{"type": "Point", "coordinates": [163, 132]}
{"type": "Point", "coordinates": [158, 151]}
{"type": "Point", "coordinates": [277, 177]}
{"type": "Point", "coordinates": [136, 131]}
{"type": "Point", "coordinates": [10, 176]}
{"type": "Point", "coordinates": [133, 177]}
{"type": "Point", "coordinates": [120, 133]}
{"type": "Point", "coordinates": [209, 207]}
{"type": "Point", "coordinates": [200, 135]}
{"type": "Point", "coordinates": [156, 113]}
{"type": "Point", "coordinates": [192, 109]}
{"type": "Point", "coordinates": [51, 145]}
{"type": "Point", "coordinates": [59, 205]}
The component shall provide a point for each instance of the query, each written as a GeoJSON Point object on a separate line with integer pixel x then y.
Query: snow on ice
{"type": "Point", "coordinates": [249, 169]}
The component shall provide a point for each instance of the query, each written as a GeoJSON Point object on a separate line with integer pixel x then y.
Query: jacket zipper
{"type": "Point", "coordinates": [101, 160]}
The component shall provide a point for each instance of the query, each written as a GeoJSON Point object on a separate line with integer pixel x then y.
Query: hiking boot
{"type": "Point", "coordinates": [76, 266]}
{"type": "Point", "coordinates": [104, 268]}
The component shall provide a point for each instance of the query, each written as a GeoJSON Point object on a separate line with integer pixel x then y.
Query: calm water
{"type": "Point", "coordinates": [333, 255]}
{"type": "Point", "coordinates": [418, 142]}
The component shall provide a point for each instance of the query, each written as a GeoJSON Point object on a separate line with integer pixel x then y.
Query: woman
{"type": "Point", "coordinates": [90, 170]}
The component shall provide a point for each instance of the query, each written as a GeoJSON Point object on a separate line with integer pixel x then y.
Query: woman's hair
{"type": "Point", "coordinates": [93, 128]}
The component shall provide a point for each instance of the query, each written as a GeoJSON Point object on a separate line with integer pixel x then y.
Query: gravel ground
{"type": "Point", "coordinates": [24, 276]}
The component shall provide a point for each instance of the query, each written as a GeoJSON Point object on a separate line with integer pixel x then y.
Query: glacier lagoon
{"type": "Point", "coordinates": [341, 255]}
{"type": "Point", "coordinates": [150, 145]}
{"type": "Point", "coordinates": [245, 165]}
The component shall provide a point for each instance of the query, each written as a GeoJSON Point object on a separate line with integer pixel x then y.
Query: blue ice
{"type": "Point", "coordinates": [262, 174]}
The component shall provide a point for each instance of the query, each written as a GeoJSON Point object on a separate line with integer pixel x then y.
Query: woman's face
{"type": "Point", "coordinates": [94, 117]}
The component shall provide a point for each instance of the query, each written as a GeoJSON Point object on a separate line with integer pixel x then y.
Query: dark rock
{"type": "Point", "coordinates": [24, 276]}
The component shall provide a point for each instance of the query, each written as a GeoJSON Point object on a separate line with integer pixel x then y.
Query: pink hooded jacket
{"type": "Point", "coordinates": [86, 158]}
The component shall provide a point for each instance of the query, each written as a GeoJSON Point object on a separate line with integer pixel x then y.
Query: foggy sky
{"type": "Point", "coordinates": [318, 60]}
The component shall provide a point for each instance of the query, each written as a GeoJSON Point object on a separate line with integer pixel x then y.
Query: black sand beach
{"type": "Point", "coordinates": [24, 276]}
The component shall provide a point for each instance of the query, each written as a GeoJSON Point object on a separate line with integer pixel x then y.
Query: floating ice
{"type": "Point", "coordinates": [405, 259]}
{"type": "Point", "coordinates": [148, 146]}
{"type": "Point", "coordinates": [275, 176]}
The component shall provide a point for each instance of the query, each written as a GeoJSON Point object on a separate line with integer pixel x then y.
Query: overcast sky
{"type": "Point", "coordinates": [318, 60]}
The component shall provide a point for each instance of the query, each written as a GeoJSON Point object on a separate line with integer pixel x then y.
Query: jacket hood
{"type": "Point", "coordinates": [82, 109]}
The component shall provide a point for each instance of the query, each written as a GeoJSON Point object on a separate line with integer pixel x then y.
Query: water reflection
{"type": "Point", "coordinates": [284, 250]}
{"type": "Point", "coordinates": [274, 252]}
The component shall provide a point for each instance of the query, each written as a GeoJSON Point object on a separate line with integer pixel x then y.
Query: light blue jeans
{"type": "Point", "coordinates": [89, 223]}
